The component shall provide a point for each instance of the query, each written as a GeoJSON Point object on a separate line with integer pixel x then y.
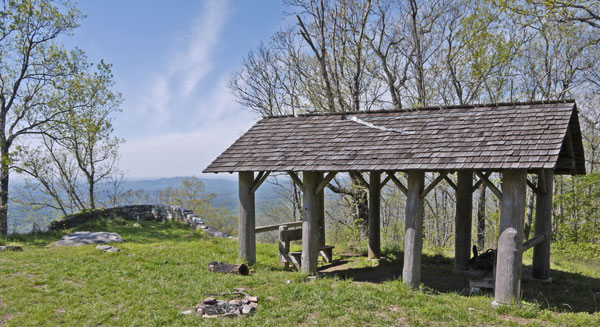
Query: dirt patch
{"type": "Point", "coordinates": [435, 276]}
{"type": "Point", "coordinates": [518, 320]}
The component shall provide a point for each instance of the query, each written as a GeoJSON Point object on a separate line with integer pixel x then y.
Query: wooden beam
{"type": "Point", "coordinates": [542, 187]}
{"type": "Point", "coordinates": [478, 183]}
{"type": "Point", "coordinates": [396, 181]}
{"type": "Point", "coordinates": [258, 182]}
{"type": "Point", "coordinates": [532, 186]}
{"type": "Point", "coordinates": [325, 181]}
{"type": "Point", "coordinates": [543, 226]}
{"type": "Point", "coordinates": [258, 177]}
{"type": "Point", "coordinates": [269, 228]}
{"type": "Point", "coordinates": [310, 223]}
{"type": "Point", "coordinates": [385, 180]}
{"type": "Point", "coordinates": [490, 185]}
{"type": "Point", "coordinates": [570, 151]}
{"type": "Point", "coordinates": [246, 218]}
{"type": "Point", "coordinates": [533, 242]}
{"type": "Point", "coordinates": [374, 248]}
{"type": "Point", "coordinates": [509, 259]}
{"type": "Point", "coordinates": [433, 184]}
{"type": "Point", "coordinates": [359, 177]}
{"type": "Point", "coordinates": [413, 229]}
{"type": "Point", "coordinates": [296, 179]}
{"type": "Point", "coordinates": [451, 183]}
{"type": "Point", "coordinates": [463, 219]}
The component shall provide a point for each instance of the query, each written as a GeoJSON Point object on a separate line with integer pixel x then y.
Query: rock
{"type": "Point", "coordinates": [209, 300]}
{"type": "Point", "coordinates": [248, 309]}
{"type": "Point", "coordinates": [199, 311]}
{"type": "Point", "coordinates": [11, 248]}
{"type": "Point", "coordinates": [186, 312]}
{"type": "Point", "coordinates": [108, 248]}
{"type": "Point", "coordinates": [235, 302]}
{"type": "Point", "coordinates": [82, 238]}
{"type": "Point", "coordinates": [251, 298]}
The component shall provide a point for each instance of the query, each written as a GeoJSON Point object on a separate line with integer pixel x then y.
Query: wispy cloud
{"type": "Point", "coordinates": [187, 116]}
{"type": "Point", "coordinates": [188, 65]}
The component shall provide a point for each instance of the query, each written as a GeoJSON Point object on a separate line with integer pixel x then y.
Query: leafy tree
{"type": "Point", "coordinates": [77, 152]}
{"type": "Point", "coordinates": [191, 194]}
{"type": "Point", "coordinates": [33, 69]}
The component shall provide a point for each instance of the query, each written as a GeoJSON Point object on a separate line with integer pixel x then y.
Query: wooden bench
{"type": "Point", "coordinates": [289, 232]}
{"type": "Point", "coordinates": [486, 278]}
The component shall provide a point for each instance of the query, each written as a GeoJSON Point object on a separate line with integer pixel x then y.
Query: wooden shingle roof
{"type": "Point", "coordinates": [484, 137]}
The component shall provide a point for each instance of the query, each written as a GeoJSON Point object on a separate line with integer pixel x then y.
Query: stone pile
{"type": "Point", "coordinates": [82, 238]}
{"type": "Point", "coordinates": [213, 308]}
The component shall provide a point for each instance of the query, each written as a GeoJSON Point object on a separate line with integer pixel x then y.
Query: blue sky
{"type": "Point", "coordinates": [171, 61]}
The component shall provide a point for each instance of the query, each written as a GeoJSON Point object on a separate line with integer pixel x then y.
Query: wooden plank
{"type": "Point", "coordinates": [542, 187]}
{"type": "Point", "coordinates": [246, 218]}
{"type": "Point", "coordinates": [258, 182]}
{"type": "Point", "coordinates": [310, 228]}
{"type": "Point", "coordinates": [296, 179]}
{"type": "Point", "coordinates": [396, 181]}
{"type": "Point", "coordinates": [509, 260]}
{"type": "Point", "coordinates": [358, 176]}
{"type": "Point", "coordinates": [451, 183]}
{"type": "Point", "coordinates": [533, 242]}
{"type": "Point", "coordinates": [490, 185]}
{"type": "Point", "coordinates": [290, 234]}
{"type": "Point", "coordinates": [268, 228]}
{"type": "Point", "coordinates": [480, 181]}
{"type": "Point", "coordinates": [284, 248]}
{"type": "Point", "coordinates": [321, 218]}
{"type": "Point", "coordinates": [433, 184]}
{"type": "Point", "coordinates": [325, 181]}
{"type": "Point", "coordinates": [385, 180]}
{"type": "Point", "coordinates": [374, 247]}
{"type": "Point", "coordinates": [570, 151]}
{"type": "Point", "coordinates": [532, 186]}
{"type": "Point", "coordinates": [413, 230]}
{"type": "Point", "coordinates": [543, 226]}
{"type": "Point", "coordinates": [463, 219]}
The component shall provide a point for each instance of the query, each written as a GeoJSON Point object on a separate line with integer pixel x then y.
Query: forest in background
{"type": "Point", "coordinates": [332, 56]}
{"type": "Point", "coordinates": [362, 55]}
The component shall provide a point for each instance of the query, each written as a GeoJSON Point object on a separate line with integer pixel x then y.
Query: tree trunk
{"type": "Point", "coordinates": [4, 170]}
{"type": "Point", "coordinates": [481, 217]}
{"type": "Point", "coordinates": [530, 202]}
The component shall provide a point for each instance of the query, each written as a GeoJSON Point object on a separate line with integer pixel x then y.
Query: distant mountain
{"type": "Point", "coordinates": [23, 218]}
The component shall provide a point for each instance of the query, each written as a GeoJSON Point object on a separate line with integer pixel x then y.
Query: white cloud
{"type": "Point", "coordinates": [183, 153]}
{"type": "Point", "coordinates": [188, 65]}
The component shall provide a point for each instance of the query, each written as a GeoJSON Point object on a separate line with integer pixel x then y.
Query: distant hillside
{"type": "Point", "coordinates": [22, 218]}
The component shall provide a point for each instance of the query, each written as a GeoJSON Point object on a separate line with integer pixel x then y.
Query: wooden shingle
{"type": "Point", "coordinates": [486, 137]}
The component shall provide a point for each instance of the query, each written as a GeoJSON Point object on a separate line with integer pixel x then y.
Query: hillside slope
{"type": "Point", "coordinates": [162, 271]}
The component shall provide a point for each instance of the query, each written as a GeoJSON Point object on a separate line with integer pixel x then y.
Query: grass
{"type": "Point", "coordinates": [162, 271]}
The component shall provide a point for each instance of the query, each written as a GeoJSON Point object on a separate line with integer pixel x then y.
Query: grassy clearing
{"type": "Point", "coordinates": [162, 271]}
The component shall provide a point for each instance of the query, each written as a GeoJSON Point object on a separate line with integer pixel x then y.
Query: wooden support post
{"type": "Point", "coordinates": [246, 220]}
{"type": "Point", "coordinates": [510, 242]}
{"type": "Point", "coordinates": [321, 211]}
{"type": "Point", "coordinates": [413, 230]}
{"type": "Point", "coordinates": [310, 223]}
{"type": "Point", "coordinates": [374, 218]}
{"type": "Point", "coordinates": [284, 248]}
{"type": "Point", "coordinates": [464, 212]}
{"type": "Point", "coordinates": [543, 225]}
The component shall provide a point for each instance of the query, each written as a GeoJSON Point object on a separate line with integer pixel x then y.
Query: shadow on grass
{"type": "Point", "coordinates": [144, 232]}
{"type": "Point", "coordinates": [568, 292]}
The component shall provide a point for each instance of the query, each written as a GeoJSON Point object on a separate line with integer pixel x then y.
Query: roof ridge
{"type": "Point", "coordinates": [439, 107]}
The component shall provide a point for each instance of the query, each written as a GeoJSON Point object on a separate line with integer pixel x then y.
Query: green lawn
{"type": "Point", "coordinates": [162, 271]}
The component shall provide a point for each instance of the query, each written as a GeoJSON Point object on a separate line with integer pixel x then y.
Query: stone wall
{"type": "Point", "coordinates": [137, 213]}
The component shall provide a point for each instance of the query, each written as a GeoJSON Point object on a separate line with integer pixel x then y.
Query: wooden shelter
{"type": "Point", "coordinates": [514, 139]}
